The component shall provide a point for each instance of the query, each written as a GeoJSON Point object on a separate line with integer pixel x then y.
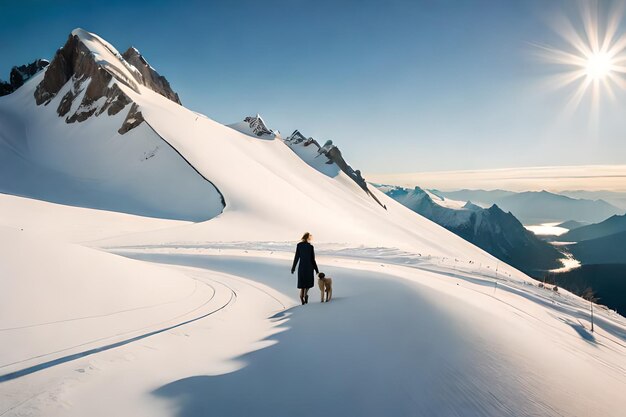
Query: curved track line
{"type": "Point", "coordinates": [95, 316]}
{"type": "Point", "coordinates": [78, 355]}
{"type": "Point", "coordinates": [236, 278]}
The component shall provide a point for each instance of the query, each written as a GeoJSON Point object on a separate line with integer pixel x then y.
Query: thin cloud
{"type": "Point", "coordinates": [556, 178]}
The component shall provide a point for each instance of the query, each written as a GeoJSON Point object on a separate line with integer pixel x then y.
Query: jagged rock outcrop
{"type": "Point", "coordinates": [89, 81]}
{"type": "Point", "coordinates": [333, 154]}
{"type": "Point", "coordinates": [133, 119]}
{"type": "Point", "coordinates": [5, 88]}
{"type": "Point", "coordinates": [257, 125]}
{"type": "Point", "coordinates": [150, 78]}
{"type": "Point", "coordinates": [296, 137]}
{"type": "Point", "coordinates": [20, 74]}
{"type": "Point", "coordinates": [95, 70]}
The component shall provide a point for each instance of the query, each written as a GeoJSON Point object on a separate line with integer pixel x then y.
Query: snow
{"type": "Point", "coordinates": [109, 58]}
{"type": "Point", "coordinates": [460, 345]}
{"type": "Point", "coordinates": [110, 297]}
{"type": "Point", "coordinates": [458, 215]}
{"type": "Point", "coordinates": [106, 313]}
{"type": "Point", "coordinates": [73, 224]}
{"type": "Point", "coordinates": [90, 164]}
{"type": "Point", "coordinates": [254, 126]}
{"type": "Point", "coordinates": [446, 202]}
{"type": "Point", "coordinates": [310, 153]}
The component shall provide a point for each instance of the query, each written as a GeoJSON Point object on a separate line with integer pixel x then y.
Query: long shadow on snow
{"type": "Point", "coordinates": [383, 349]}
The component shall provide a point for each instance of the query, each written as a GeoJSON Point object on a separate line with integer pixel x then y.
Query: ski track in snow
{"type": "Point", "coordinates": [350, 360]}
{"type": "Point", "coordinates": [218, 282]}
{"type": "Point", "coordinates": [327, 354]}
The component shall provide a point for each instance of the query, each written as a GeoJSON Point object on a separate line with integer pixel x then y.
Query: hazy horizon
{"type": "Point", "coordinates": [611, 178]}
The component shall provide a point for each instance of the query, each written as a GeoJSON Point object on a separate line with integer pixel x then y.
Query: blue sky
{"type": "Point", "coordinates": [400, 86]}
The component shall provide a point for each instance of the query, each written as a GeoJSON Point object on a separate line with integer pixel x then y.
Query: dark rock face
{"type": "Point", "coordinates": [334, 157]}
{"type": "Point", "coordinates": [133, 119]}
{"type": "Point", "coordinates": [150, 78]}
{"type": "Point", "coordinates": [5, 88]}
{"type": "Point", "coordinates": [96, 83]}
{"type": "Point", "coordinates": [258, 125]}
{"type": "Point", "coordinates": [75, 63]}
{"type": "Point", "coordinates": [58, 73]}
{"type": "Point", "coordinates": [297, 137]}
{"type": "Point", "coordinates": [20, 74]}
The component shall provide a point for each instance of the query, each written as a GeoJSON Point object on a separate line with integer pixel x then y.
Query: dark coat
{"type": "Point", "coordinates": [306, 255]}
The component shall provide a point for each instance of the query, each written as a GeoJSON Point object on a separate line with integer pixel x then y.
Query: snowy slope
{"type": "Point", "coordinates": [191, 319]}
{"type": "Point", "coordinates": [90, 163]}
{"type": "Point", "coordinates": [86, 298]}
{"type": "Point", "coordinates": [271, 194]}
{"type": "Point", "coordinates": [460, 345]}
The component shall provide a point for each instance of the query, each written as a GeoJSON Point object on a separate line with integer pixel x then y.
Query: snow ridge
{"type": "Point", "coordinates": [297, 141]}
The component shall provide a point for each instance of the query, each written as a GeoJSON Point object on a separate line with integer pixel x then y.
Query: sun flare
{"type": "Point", "coordinates": [592, 60]}
{"type": "Point", "coordinates": [598, 66]}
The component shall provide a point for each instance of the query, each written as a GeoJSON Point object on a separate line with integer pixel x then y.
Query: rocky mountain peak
{"type": "Point", "coordinates": [471, 206]}
{"type": "Point", "coordinates": [258, 126]}
{"type": "Point", "coordinates": [20, 74]}
{"type": "Point", "coordinates": [334, 156]}
{"type": "Point", "coordinates": [89, 65]}
{"type": "Point", "coordinates": [296, 137]}
{"type": "Point", "coordinates": [149, 76]}
{"type": "Point", "coordinates": [94, 70]}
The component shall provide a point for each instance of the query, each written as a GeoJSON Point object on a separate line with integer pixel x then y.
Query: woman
{"type": "Point", "coordinates": [306, 255]}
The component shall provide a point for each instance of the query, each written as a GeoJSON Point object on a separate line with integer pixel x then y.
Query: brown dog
{"type": "Point", "coordinates": [326, 286]}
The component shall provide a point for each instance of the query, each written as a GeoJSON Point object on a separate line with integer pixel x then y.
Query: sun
{"type": "Point", "coordinates": [591, 62]}
{"type": "Point", "coordinates": [599, 66]}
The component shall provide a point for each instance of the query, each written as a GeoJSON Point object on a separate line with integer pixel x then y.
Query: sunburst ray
{"type": "Point", "coordinates": [593, 57]}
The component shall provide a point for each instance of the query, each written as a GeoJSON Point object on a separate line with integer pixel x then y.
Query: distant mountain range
{"type": "Point", "coordinates": [613, 224]}
{"type": "Point", "coordinates": [609, 249]}
{"type": "Point", "coordinates": [600, 243]}
{"type": "Point", "coordinates": [572, 224]}
{"type": "Point", "coordinates": [484, 197]}
{"type": "Point", "coordinates": [616, 198]}
{"type": "Point", "coordinates": [533, 207]}
{"type": "Point", "coordinates": [491, 229]}
{"type": "Point", "coordinates": [601, 249]}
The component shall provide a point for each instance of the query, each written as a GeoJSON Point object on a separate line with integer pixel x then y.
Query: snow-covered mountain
{"type": "Point", "coordinates": [93, 131]}
{"type": "Point", "coordinates": [254, 126]}
{"type": "Point", "coordinates": [72, 134]}
{"type": "Point", "coordinates": [192, 311]}
{"type": "Point", "coordinates": [491, 229]}
{"type": "Point", "coordinates": [327, 159]}
{"type": "Point", "coordinates": [532, 207]}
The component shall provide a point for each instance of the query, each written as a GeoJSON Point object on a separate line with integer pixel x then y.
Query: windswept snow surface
{"type": "Point", "coordinates": [213, 328]}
